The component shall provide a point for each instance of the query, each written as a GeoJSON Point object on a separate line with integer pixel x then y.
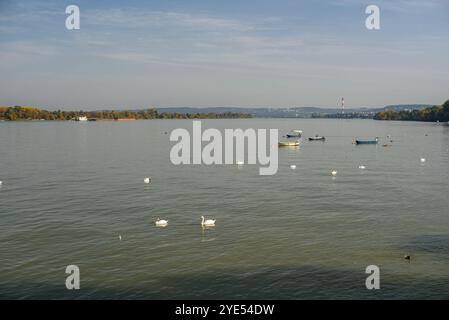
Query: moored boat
{"type": "Point", "coordinates": [289, 143]}
{"type": "Point", "coordinates": [317, 138]}
{"type": "Point", "coordinates": [294, 134]}
{"type": "Point", "coordinates": [357, 141]}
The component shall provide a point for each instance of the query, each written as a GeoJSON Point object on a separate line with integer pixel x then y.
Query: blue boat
{"type": "Point", "coordinates": [357, 141]}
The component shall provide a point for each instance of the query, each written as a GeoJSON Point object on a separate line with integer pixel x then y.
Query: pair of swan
{"type": "Point", "coordinates": [204, 222]}
{"type": "Point", "coordinates": [334, 172]}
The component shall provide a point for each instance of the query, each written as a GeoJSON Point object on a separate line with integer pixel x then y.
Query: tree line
{"type": "Point", "coordinates": [33, 113]}
{"type": "Point", "coordinates": [435, 113]}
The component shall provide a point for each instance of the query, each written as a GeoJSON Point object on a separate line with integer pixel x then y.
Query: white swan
{"type": "Point", "coordinates": [146, 180]}
{"type": "Point", "coordinates": [293, 167]}
{"type": "Point", "coordinates": [1, 182]}
{"type": "Point", "coordinates": [362, 167]}
{"type": "Point", "coordinates": [120, 237]}
{"type": "Point", "coordinates": [208, 222]}
{"type": "Point", "coordinates": [423, 160]}
{"type": "Point", "coordinates": [161, 223]}
{"type": "Point", "coordinates": [334, 173]}
{"type": "Point", "coordinates": [240, 163]}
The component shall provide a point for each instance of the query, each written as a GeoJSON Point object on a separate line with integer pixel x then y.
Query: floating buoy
{"type": "Point", "coordinates": [423, 160]}
{"type": "Point", "coordinates": [120, 237]}
{"type": "Point", "coordinates": [161, 223]}
{"type": "Point", "coordinates": [1, 182]}
{"type": "Point", "coordinates": [146, 180]}
{"type": "Point", "coordinates": [293, 167]}
{"type": "Point", "coordinates": [334, 173]}
{"type": "Point", "coordinates": [362, 167]}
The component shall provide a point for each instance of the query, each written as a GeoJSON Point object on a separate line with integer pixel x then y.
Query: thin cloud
{"type": "Point", "coordinates": [398, 6]}
{"type": "Point", "coordinates": [136, 18]}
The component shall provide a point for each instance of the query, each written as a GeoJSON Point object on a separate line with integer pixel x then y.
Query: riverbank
{"type": "Point", "coordinates": [432, 114]}
{"type": "Point", "coordinates": [22, 113]}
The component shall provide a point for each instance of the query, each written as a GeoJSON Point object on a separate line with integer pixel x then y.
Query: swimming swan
{"type": "Point", "coordinates": [334, 173]}
{"type": "Point", "coordinates": [161, 223]}
{"type": "Point", "coordinates": [146, 180]}
{"type": "Point", "coordinates": [208, 222]}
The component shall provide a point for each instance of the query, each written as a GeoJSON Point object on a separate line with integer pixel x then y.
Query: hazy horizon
{"type": "Point", "coordinates": [223, 54]}
{"type": "Point", "coordinates": [118, 108]}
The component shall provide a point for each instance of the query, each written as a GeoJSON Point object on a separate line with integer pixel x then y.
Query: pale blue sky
{"type": "Point", "coordinates": [136, 54]}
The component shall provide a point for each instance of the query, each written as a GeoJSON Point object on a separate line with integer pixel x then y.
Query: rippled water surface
{"type": "Point", "coordinates": [70, 189]}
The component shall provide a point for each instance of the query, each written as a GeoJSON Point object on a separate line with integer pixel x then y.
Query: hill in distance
{"type": "Point", "coordinates": [293, 112]}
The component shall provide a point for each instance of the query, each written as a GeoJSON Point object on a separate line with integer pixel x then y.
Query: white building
{"type": "Point", "coordinates": [81, 118]}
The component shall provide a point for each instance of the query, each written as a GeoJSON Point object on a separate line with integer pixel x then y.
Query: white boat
{"type": "Point", "coordinates": [289, 143]}
{"type": "Point", "coordinates": [81, 118]}
{"type": "Point", "coordinates": [294, 134]}
{"type": "Point", "coordinates": [317, 138]}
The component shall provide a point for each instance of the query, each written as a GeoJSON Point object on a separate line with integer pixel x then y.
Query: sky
{"type": "Point", "coordinates": [253, 53]}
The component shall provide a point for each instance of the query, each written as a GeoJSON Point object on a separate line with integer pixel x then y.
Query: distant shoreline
{"type": "Point", "coordinates": [394, 112]}
{"type": "Point", "coordinates": [20, 113]}
{"type": "Point", "coordinates": [431, 114]}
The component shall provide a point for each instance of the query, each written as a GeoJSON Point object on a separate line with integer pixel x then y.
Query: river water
{"type": "Point", "coordinates": [71, 189]}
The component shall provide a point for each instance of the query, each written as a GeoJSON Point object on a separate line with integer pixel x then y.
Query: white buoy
{"type": "Point", "coordinates": [293, 167]}
{"type": "Point", "coordinates": [334, 173]}
{"type": "Point", "coordinates": [1, 182]}
{"type": "Point", "coordinates": [146, 180]}
{"type": "Point", "coordinates": [423, 160]}
{"type": "Point", "coordinates": [362, 167]}
{"type": "Point", "coordinates": [120, 237]}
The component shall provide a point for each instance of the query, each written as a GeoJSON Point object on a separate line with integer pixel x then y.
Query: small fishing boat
{"type": "Point", "coordinates": [289, 143]}
{"type": "Point", "coordinates": [294, 134]}
{"type": "Point", "coordinates": [357, 141]}
{"type": "Point", "coordinates": [317, 138]}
